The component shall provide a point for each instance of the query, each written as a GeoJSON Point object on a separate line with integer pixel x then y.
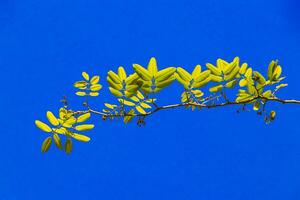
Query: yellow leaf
{"type": "Point", "coordinates": [214, 70]}
{"type": "Point", "coordinates": [185, 96]}
{"type": "Point", "coordinates": [131, 79]}
{"type": "Point", "coordinates": [125, 102]}
{"type": "Point", "coordinates": [94, 94]}
{"type": "Point", "coordinates": [244, 98]}
{"type": "Point", "coordinates": [281, 86]}
{"type": "Point", "coordinates": [52, 119]}
{"type": "Point", "coordinates": [231, 84]}
{"type": "Point", "coordinates": [147, 84]}
{"type": "Point", "coordinates": [202, 76]}
{"type": "Point", "coordinates": [115, 92]}
{"type": "Point", "coordinates": [129, 116]}
{"type": "Point", "coordinates": [43, 126]}
{"type": "Point", "coordinates": [221, 64]}
{"type": "Point", "coordinates": [150, 100]}
{"type": "Point", "coordinates": [144, 105]}
{"type": "Point", "coordinates": [96, 87]}
{"type": "Point", "coordinates": [277, 72]}
{"type": "Point", "coordinates": [183, 82]}
{"type": "Point", "coordinates": [216, 88]}
{"type": "Point", "coordinates": [140, 95]}
{"type": "Point", "coordinates": [57, 141]}
{"type": "Point", "coordinates": [60, 130]}
{"type": "Point", "coordinates": [198, 93]}
{"type": "Point", "coordinates": [135, 99]}
{"type": "Point", "coordinates": [230, 67]}
{"type": "Point", "coordinates": [95, 80]}
{"type": "Point", "coordinates": [259, 88]}
{"type": "Point", "coordinates": [110, 106]}
{"type": "Point", "coordinates": [152, 66]}
{"type": "Point", "coordinates": [251, 89]}
{"type": "Point", "coordinates": [68, 146]}
{"type": "Point", "coordinates": [232, 74]}
{"type": "Point", "coordinates": [122, 74]}
{"type": "Point", "coordinates": [201, 83]}
{"type": "Point", "coordinates": [80, 137]}
{"type": "Point", "coordinates": [242, 92]}
{"type": "Point", "coordinates": [187, 77]}
{"type": "Point", "coordinates": [117, 86]}
{"type": "Point", "coordinates": [165, 74]}
{"type": "Point", "coordinates": [80, 84]}
{"type": "Point", "coordinates": [196, 72]}
{"type": "Point", "coordinates": [46, 144]}
{"type": "Point", "coordinates": [267, 94]}
{"type": "Point", "coordinates": [259, 77]}
{"type": "Point", "coordinates": [216, 78]}
{"type": "Point", "coordinates": [129, 94]}
{"type": "Point", "coordinates": [83, 118]}
{"type": "Point", "coordinates": [142, 72]}
{"type": "Point", "coordinates": [271, 67]}
{"type": "Point", "coordinates": [243, 68]}
{"type": "Point", "coordinates": [62, 113]}
{"type": "Point", "coordinates": [157, 89]}
{"type": "Point", "coordinates": [140, 110]}
{"type": "Point", "coordinates": [84, 127]}
{"type": "Point", "coordinates": [248, 72]}
{"type": "Point", "coordinates": [80, 94]}
{"type": "Point", "coordinates": [60, 121]}
{"type": "Point", "coordinates": [243, 82]}
{"type": "Point", "coordinates": [114, 77]}
{"type": "Point", "coordinates": [131, 88]}
{"type": "Point", "coordinates": [69, 122]}
{"type": "Point", "coordinates": [146, 89]}
{"type": "Point", "coordinates": [85, 76]}
{"type": "Point", "coordinates": [165, 83]}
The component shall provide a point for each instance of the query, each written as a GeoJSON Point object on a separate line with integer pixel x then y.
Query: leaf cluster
{"type": "Point", "coordinates": [135, 94]}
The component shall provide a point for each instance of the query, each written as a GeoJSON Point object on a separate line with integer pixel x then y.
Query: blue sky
{"type": "Point", "coordinates": [212, 154]}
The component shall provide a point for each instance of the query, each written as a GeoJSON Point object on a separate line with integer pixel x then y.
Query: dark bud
{"type": "Point", "coordinates": [141, 122]}
{"type": "Point", "coordinates": [272, 115]}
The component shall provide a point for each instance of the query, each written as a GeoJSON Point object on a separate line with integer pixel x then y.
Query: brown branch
{"type": "Point", "coordinates": [202, 105]}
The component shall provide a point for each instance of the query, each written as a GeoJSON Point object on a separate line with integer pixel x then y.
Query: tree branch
{"type": "Point", "coordinates": [198, 105]}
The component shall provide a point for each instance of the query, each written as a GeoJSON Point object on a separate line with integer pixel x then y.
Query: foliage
{"type": "Point", "coordinates": [135, 95]}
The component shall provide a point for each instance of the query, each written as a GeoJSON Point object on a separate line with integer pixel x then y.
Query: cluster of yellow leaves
{"type": "Point", "coordinates": [196, 79]}
{"type": "Point", "coordinates": [152, 80]}
{"type": "Point", "coordinates": [131, 89]}
{"type": "Point", "coordinates": [120, 84]}
{"type": "Point", "coordinates": [66, 124]}
{"type": "Point", "coordinates": [224, 73]}
{"type": "Point", "coordinates": [88, 86]}
{"type": "Point", "coordinates": [134, 93]}
{"type": "Point", "coordinates": [136, 103]}
{"type": "Point", "coordinates": [191, 82]}
{"type": "Point", "coordinates": [256, 83]}
{"type": "Point", "coordinates": [149, 80]}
